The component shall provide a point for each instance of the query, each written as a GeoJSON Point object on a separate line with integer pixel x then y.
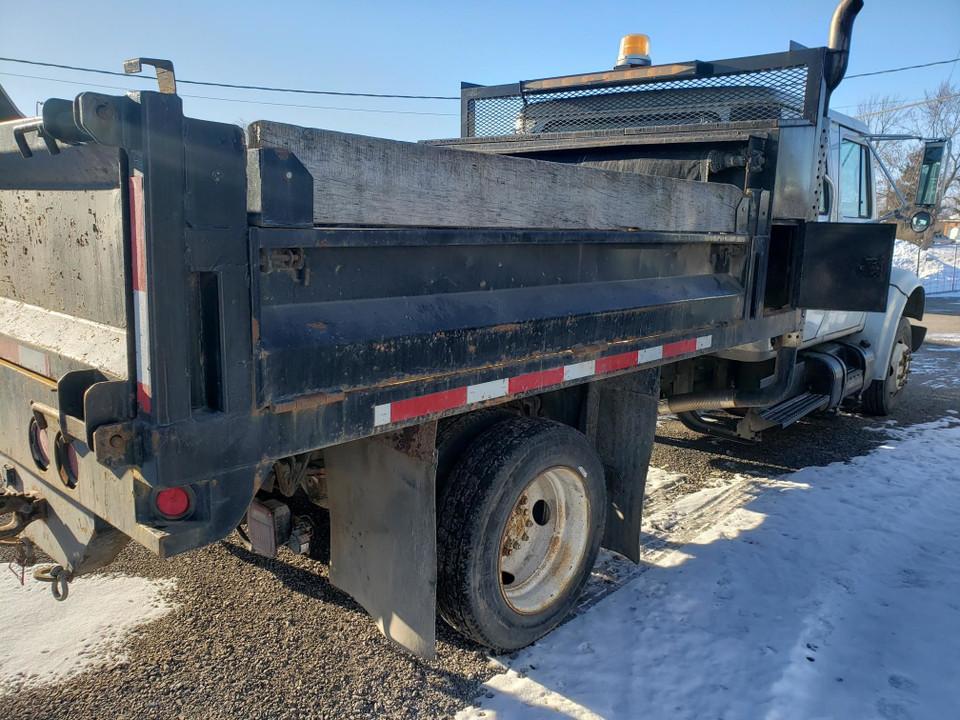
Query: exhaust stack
{"type": "Point", "coordinates": [841, 29]}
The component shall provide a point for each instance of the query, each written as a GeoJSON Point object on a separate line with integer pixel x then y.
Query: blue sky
{"type": "Point", "coordinates": [429, 47]}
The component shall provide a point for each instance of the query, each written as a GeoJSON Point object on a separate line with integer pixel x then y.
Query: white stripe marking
{"type": "Point", "coordinates": [650, 354]}
{"type": "Point", "coordinates": [487, 390]}
{"type": "Point", "coordinates": [381, 414]}
{"type": "Point", "coordinates": [494, 388]}
{"type": "Point", "coordinates": [33, 360]}
{"type": "Point", "coordinates": [142, 329]}
{"type": "Point", "coordinates": [579, 370]}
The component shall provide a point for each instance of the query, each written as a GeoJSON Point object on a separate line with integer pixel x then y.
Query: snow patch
{"type": "Point", "coordinates": [944, 338]}
{"type": "Point", "coordinates": [939, 267]}
{"type": "Point", "coordinates": [43, 641]}
{"type": "Point", "coordinates": [831, 592]}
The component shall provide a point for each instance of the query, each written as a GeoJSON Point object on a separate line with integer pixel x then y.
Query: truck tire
{"type": "Point", "coordinates": [455, 434]}
{"type": "Point", "coordinates": [518, 530]}
{"type": "Point", "coordinates": [882, 396]}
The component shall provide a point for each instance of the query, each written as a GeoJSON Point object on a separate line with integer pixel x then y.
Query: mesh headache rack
{"type": "Point", "coordinates": [771, 89]}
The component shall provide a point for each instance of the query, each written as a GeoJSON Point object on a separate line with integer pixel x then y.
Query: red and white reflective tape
{"type": "Point", "coordinates": [25, 357]}
{"type": "Point", "coordinates": [423, 405]}
{"type": "Point", "coordinates": [141, 321]}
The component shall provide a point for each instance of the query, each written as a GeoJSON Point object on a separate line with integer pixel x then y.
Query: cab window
{"type": "Point", "coordinates": [855, 196]}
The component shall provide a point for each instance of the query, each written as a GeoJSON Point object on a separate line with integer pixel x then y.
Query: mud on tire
{"type": "Point", "coordinates": [481, 514]}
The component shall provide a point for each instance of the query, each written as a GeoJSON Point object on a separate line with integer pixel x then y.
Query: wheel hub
{"type": "Point", "coordinates": [544, 539]}
{"type": "Point", "coordinates": [902, 358]}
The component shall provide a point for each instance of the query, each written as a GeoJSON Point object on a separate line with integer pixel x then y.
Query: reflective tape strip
{"type": "Point", "coordinates": [487, 390]}
{"type": "Point", "coordinates": [141, 317]}
{"type": "Point", "coordinates": [681, 347]}
{"type": "Point", "coordinates": [424, 405]}
{"type": "Point", "coordinates": [26, 357]}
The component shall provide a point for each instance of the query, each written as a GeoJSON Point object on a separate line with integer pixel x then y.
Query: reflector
{"type": "Point", "coordinates": [172, 503]}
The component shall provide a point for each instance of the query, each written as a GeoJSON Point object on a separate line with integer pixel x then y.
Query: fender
{"type": "Point", "coordinates": [905, 296]}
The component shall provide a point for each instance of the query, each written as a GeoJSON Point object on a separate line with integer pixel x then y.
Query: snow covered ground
{"type": "Point", "coordinates": [939, 267]}
{"type": "Point", "coordinates": [833, 592]}
{"type": "Point", "coordinates": [43, 640]}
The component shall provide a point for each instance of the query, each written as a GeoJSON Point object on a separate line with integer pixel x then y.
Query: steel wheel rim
{"type": "Point", "coordinates": [544, 540]}
{"type": "Point", "coordinates": [900, 366]}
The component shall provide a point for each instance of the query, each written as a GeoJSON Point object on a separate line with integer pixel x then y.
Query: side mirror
{"type": "Point", "coordinates": [928, 185]}
{"type": "Point", "coordinates": [920, 221]}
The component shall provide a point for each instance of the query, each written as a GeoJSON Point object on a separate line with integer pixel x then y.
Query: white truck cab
{"type": "Point", "coordinates": [884, 341]}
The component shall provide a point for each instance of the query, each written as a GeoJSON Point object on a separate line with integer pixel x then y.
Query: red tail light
{"type": "Point", "coordinates": [172, 503]}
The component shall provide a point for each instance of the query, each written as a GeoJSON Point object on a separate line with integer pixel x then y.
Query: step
{"type": "Point", "coordinates": [792, 409]}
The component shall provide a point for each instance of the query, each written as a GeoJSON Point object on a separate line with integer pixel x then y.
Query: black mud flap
{"type": "Point", "coordinates": [621, 422]}
{"type": "Point", "coordinates": [844, 266]}
{"type": "Point", "coordinates": [383, 537]}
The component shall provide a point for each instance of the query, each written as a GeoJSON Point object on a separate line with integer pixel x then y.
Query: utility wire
{"type": "Point", "coordinates": [929, 101]}
{"type": "Point", "coordinates": [892, 70]}
{"type": "Point", "coordinates": [239, 100]}
{"type": "Point", "coordinates": [264, 88]}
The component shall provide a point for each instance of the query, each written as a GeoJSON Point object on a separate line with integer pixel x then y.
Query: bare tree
{"type": "Point", "coordinates": [884, 115]}
{"type": "Point", "coordinates": [937, 116]}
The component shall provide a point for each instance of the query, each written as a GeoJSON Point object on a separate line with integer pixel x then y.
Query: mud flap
{"type": "Point", "coordinates": [383, 537]}
{"type": "Point", "coordinates": [621, 422]}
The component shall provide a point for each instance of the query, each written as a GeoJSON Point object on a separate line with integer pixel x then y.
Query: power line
{"type": "Point", "coordinates": [267, 88]}
{"type": "Point", "coordinates": [929, 101]}
{"type": "Point", "coordinates": [239, 100]}
{"type": "Point", "coordinates": [264, 88]}
{"type": "Point", "coordinates": [892, 70]}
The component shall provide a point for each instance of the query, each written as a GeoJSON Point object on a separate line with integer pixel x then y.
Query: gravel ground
{"type": "Point", "coordinates": [253, 638]}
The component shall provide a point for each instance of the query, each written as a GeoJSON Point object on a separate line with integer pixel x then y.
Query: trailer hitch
{"type": "Point", "coordinates": [24, 508]}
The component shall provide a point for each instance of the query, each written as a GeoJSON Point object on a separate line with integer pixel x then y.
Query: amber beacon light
{"type": "Point", "coordinates": [634, 50]}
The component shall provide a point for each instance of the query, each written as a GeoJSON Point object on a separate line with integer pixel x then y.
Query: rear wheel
{"type": "Point", "coordinates": [454, 436]}
{"type": "Point", "coordinates": [882, 396]}
{"type": "Point", "coordinates": [519, 527]}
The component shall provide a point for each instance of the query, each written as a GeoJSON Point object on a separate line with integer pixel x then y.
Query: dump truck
{"type": "Point", "coordinates": [454, 351]}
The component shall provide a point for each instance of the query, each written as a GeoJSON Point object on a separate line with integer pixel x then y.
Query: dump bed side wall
{"type": "Point", "coordinates": [62, 254]}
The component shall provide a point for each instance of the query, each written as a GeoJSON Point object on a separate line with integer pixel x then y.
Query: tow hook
{"type": "Point", "coordinates": [59, 578]}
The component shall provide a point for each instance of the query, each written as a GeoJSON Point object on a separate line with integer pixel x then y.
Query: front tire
{"type": "Point", "coordinates": [882, 396]}
{"type": "Point", "coordinates": [518, 527]}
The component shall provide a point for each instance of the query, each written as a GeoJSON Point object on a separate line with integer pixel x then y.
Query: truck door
{"type": "Point", "coordinates": [847, 196]}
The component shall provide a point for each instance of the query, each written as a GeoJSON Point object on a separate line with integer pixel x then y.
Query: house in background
{"type": "Point", "coordinates": [951, 227]}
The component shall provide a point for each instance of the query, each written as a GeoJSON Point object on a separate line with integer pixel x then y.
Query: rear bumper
{"type": "Point", "coordinates": [110, 499]}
